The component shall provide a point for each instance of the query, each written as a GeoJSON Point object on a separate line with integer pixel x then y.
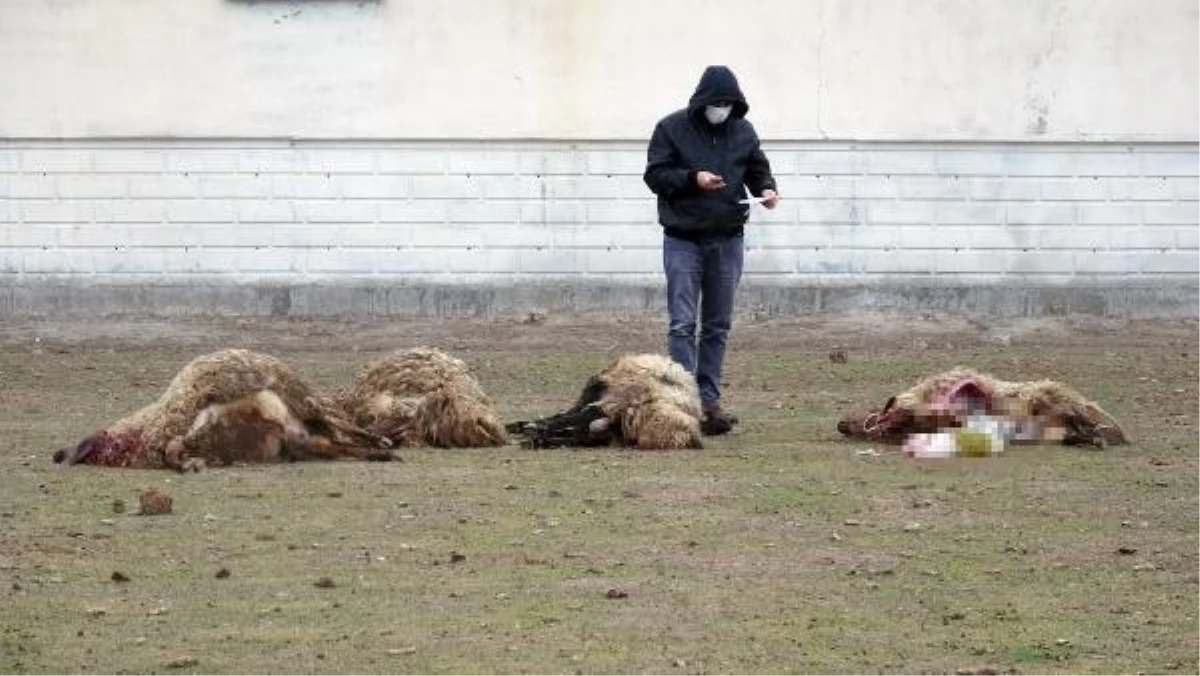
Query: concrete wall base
{"type": "Point", "coordinates": [74, 299]}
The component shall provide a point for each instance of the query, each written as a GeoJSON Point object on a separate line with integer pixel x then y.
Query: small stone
{"type": "Point", "coordinates": [182, 662]}
{"type": "Point", "coordinates": [325, 583]}
{"type": "Point", "coordinates": [222, 574]}
{"type": "Point", "coordinates": [118, 576]}
{"type": "Point", "coordinates": [616, 594]}
{"type": "Point", "coordinates": [411, 650]}
{"type": "Point", "coordinates": [155, 502]}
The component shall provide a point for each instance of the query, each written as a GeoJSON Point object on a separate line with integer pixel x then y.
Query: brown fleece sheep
{"type": "Point", "coordinates": [228, 406]}
{"type": "Point", "coordinates": [1052, 410]}
{"type": "Point", "coordinates": [422, 397]}
{"type": "Point", "coordinates": [644, 401]}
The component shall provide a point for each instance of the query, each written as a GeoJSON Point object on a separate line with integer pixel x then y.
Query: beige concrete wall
{"type": "Point", "coordinates": [1053, 70]}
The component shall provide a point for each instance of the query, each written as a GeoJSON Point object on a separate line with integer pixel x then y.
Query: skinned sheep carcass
{"type": "Point", "coordinates": [229, 406]}
{"type": "Point", "coordinates": [1048, 411]}
{"type": "Point", "coordinates": [423, 397]}
{"type": "Point", "coordinates": [644, 401]}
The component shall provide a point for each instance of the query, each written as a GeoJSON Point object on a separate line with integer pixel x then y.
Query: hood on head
{"type": "Point", "coordinates": [718, 83]}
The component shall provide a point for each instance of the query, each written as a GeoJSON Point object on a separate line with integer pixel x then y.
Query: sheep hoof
{"type": "Point", "coordinates": [519, 427]}
{"type": "Point", "coordinates": [385, 455]}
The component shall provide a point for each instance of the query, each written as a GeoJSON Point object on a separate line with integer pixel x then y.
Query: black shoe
{"type": "Point", "coordinates": [717, 422]}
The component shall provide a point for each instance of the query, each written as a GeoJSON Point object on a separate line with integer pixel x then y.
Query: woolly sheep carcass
{"type": "Point", "coordinates": [229, 406]}
{"type": "Point", "coordinates": [1051, 410]}
{"type": "Point", "coordinates": [423, 396]}
{"type": "Point", "coordinates": [644, 401]}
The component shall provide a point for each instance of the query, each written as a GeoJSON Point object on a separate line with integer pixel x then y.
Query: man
{"type": "Point", "coordinates": [700, 162]}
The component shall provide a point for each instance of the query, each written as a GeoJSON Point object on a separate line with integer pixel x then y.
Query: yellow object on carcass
{"type": "Point", "coordinates": [974, 443]}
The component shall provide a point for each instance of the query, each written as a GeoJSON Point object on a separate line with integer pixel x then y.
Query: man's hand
{"type": "Point", "coordinates": [709, 181]}
{"type": "Point", "coordinates": [770, 198]}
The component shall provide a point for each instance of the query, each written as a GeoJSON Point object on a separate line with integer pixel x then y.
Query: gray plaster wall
{"type": "Point", "coordinates": [901, 70]}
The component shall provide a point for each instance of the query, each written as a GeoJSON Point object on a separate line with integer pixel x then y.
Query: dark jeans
{"type": "Point", "coordinates": [703, 275]}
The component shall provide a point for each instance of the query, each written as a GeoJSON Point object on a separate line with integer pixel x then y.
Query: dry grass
{"type": "Point", "coordinates": [781, 548]}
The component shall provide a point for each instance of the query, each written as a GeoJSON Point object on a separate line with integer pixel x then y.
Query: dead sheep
{"type": "Point", "coordinates": [1051, 411]}
{"type": "Point", "coordinates": [422, 397]}
{"type": "Point", "coordinates": [644, 401]}
{"type": "Point", "coordinates": [229, 406]}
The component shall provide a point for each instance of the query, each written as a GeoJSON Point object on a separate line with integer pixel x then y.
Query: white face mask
{"type": "Point", "coordinates": [717, 114]}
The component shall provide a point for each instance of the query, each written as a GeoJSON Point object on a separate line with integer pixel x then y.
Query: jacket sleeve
{"type": "Point", "coordinates": [758, 169]}
{"type": "Point", "coordinates": [663, 174]}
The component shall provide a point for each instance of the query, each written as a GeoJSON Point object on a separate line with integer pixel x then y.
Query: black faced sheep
{"type": "Point", "coordinates": [229, 406]}
{"type": "Point", "coordinates": [422, 397]}
{"type": "Point", "coordinates": [1050, 410]}
{"type": "Point", "coordinates": [644, 401]}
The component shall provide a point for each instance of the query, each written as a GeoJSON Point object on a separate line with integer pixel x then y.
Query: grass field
{"type": "Point", "coordinates": [779, 548]}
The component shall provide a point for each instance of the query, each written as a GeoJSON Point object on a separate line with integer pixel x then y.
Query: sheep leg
{"type": "Point", "coordinates": [592, 392]}
{"type": "Point", "coordinates": [1081, 431]}
{"type": "Point", "coordinates": [334, 426]}
{"type": "Point", "coordinates": [571, 428]}
{"type": "Point", "coordinates": [317, 447]}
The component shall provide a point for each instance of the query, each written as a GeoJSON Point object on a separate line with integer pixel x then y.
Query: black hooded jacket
{"type": "Point", "coordinates": [685, 143]}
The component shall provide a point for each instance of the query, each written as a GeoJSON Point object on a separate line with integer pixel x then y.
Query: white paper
{"type": "Point", "coordinates": [753, 200]}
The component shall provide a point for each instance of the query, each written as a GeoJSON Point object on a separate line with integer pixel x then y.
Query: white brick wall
{"type": "Point", "coordinates": [853, 213]}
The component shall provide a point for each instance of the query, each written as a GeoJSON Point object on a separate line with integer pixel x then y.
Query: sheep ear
{"type": "Point", "coordinates": [69, 456]}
